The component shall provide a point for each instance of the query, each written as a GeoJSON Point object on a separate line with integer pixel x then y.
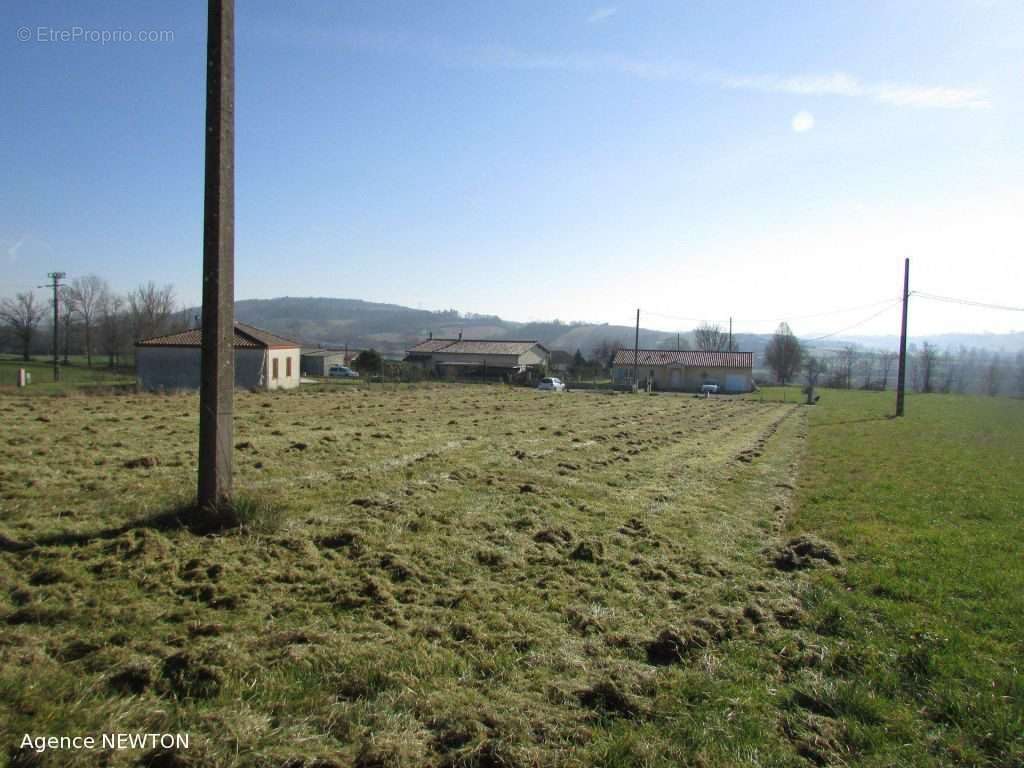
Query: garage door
{"type": "Point", "coordinates": [735, 383]}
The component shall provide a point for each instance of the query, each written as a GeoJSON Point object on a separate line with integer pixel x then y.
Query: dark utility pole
{"type": "Point", "coordinates": [901, 378]}
{"type": "Point", "coordinates": [636, 352]}
{"type": "Point", "coordinates": [56, 277]}
{"type": "Point", "coordinates": [216, 393]}
{"type": "Point", "coordinates": [730, 334]}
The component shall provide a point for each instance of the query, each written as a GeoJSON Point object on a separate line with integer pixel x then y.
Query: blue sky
{"type": "Point", "coordinates": [536, 160]}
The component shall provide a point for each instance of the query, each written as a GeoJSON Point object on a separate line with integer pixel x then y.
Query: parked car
{"type": "Point", "coordinates": [551, 384]}
{"type": "Point", "coordinates": [342, 372]}
{"type": "Point", "coordinates": [709, 388]}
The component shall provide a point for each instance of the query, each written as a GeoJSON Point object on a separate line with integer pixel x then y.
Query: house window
{"type": "Point", "coordinates": [274, 374]}
{"type": "Point", "coordinates": [287, 367]}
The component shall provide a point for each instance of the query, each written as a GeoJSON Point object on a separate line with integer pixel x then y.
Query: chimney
{"type": "Point", "coordinates": [431, 335]}
{"type": "Point", "coordinates": [460, 334]}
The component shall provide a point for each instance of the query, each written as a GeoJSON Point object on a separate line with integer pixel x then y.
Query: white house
{"type": "Point", "coordinates": [262, 360]}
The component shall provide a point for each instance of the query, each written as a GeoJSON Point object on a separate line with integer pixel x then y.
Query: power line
{"type": "Point", "coordinates": [966, 302]}
{"type": "Point", "coordinates": [880, 312]}
{"type": "Point", "coordinates": [787, 318]}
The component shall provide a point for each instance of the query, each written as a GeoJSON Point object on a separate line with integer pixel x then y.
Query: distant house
{"type": "Point", "coordinates": [462, 358]}
{"type": "Point", "coordinates": [686, 370]}
{"type": "Point", "coordinates": [262, 360]}
{"type": "Point", "coordinates": [318, 362]}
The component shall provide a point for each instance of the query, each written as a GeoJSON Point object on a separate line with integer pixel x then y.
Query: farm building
{"type": "Point", "coordinates": [317, 362]}
{"type": "Point", "coordinates": [686, 370]}
{"type": "Point", "coordinates": [262, 360]}
{"type": "Point", "coordinates": [459, 358]}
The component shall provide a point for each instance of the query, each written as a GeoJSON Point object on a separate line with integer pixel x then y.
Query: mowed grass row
{"type": "Point", "coordinates": [459, 576]}
{"type": "Point", "coordinates": [921, 657]}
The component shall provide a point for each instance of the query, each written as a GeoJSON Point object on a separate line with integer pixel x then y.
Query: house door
{"type": "Point", "coordinates": [676, 379]}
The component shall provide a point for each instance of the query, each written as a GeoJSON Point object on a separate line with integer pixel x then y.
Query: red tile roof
{"type": "Point", "coordinates": [474, 347]}
{"type": "Point", "coordinates": [691, 358]}
{"type": "Point", "coordinates": [246, 337]}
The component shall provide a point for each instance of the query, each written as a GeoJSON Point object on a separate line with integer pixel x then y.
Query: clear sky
{"type": "Point", "coordinates": [536, 160]}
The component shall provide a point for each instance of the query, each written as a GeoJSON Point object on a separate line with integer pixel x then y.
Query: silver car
{"type": "Point", "coordinates": [551, 384]}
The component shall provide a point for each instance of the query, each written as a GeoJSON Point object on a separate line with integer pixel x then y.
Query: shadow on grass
{"type": "Point", "coordinates": [239, 514]}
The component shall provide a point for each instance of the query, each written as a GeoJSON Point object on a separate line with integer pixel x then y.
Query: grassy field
{"type": "Point", "coordinates": [74, 377]}
{"type": "Point", "coordinates": [484, 576]}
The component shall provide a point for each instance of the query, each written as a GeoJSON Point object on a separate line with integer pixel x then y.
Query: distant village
{"type": "Point", "coordinates": [136, 332]}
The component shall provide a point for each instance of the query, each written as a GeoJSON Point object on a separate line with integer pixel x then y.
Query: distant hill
{"type": "Point", "coordinates": [391, 329]}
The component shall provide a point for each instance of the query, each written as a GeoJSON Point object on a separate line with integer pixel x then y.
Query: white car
{"type": "Point", "coordinates": [342, 372]}
{"type": "Point", "coordinates": [551, 384]}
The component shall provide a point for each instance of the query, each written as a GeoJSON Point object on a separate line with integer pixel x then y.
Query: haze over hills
{"type": "Point", "coordinates": [392, 328]}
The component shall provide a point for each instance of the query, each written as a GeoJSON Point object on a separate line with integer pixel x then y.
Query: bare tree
{"type": "Point", "coordinates": [928, 357]}
{"type": "Point", "coordinates": [22, 315]}
{"type": "Point", "coordinates": [67, 317]}
{"type": "Point", "coordinates": [604, 352]}
{"type": "Point", "coordinates": [886, 360]}
{"type": "Point", "coordinates": [867, 370]}
{"type": "Point", "coordinates": [110, 308]}
{"type": "Point", "coordinates": [87, 293]}
{"type": "Point", "coordinates": [845, 361]}
{"type": "Point", "coordinates": [950, 370]}
{"type": "Point", "coordinates": [783, 354]}
{"type": "Point", "coordinates": [711, 338]}
{"type": "Point", "coordinates": [151, 309]}
{"type": "Point", "coordinates": [993, 376]}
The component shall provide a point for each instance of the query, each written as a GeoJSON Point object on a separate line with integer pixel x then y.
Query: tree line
{"type": "Point", "coordinates": [965, 371]}
{"type": "Point", "coordinates": [95, 321]}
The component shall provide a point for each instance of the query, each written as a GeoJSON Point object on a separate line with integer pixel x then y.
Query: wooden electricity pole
{"type": "Point", "coordinates": [901, 377]}
{"type": "Point", "coordinates": [636, 352]}
{"type": "Point", "coordinates": [216, 394]}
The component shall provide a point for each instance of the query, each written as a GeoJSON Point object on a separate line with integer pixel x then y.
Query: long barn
{"type": "Point", "coordinates": [685, 370]}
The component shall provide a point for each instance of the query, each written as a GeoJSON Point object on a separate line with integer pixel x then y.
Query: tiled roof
{"type": "Point", "coordinates": [246, 337]}
{"type": "Point", "coordinates": [430, 345]}
{"type": "Point", "coordinates": [328, 352]}
{"type": "Point", "coordinates": [474, 347]}
{"type": "Point", "coordinates": [691, 358]}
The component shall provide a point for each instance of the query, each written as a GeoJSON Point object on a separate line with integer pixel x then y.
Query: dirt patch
{"type": "Point", "coordinates": [132, 679]}
{"type": "Point", "coordinates": [188, 676]}
{"type": "Point", "coordinates": [805, 552]}
{"type": "Point", "coordinates": [142, 461]}
{"type": "Point", "coordinates": [673, 646]}
{"type": "Point", "coordinates": [609, 699]}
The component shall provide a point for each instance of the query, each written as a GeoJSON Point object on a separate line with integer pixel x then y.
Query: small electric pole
{"type": "Point", "coordinates": [217, 387]}
{"type": "Point", "coordinates": [901, 378]}
{"type": "Point", "coordinates": [56, 277]}
{"type": "Point", "coordinates": [730, 334]}
{"type": "Point", "coordinates": [636, 353]}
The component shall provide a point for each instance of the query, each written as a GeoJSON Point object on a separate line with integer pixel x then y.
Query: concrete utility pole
{"type": "Point", "coordinates": [901, 377]}
{"type": "Point", "coordinates": [56, 277]}
{"type": "Point", "coordinates": [730, 334]}
{"type": "Point", "coordinates": [217, 387]}
{"type": "Point", "coordinates": [636, 353]}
